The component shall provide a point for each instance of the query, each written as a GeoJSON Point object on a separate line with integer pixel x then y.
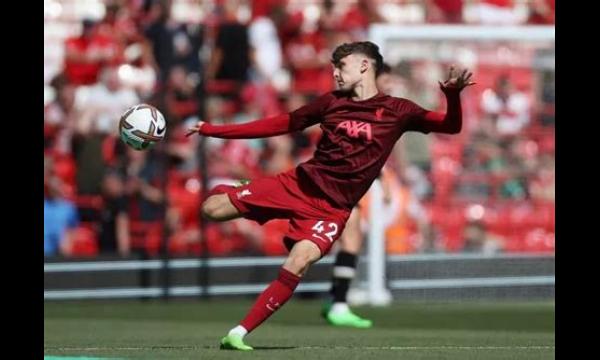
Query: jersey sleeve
{"type": "Point", "coordinates": [311, 113]}
{"type": "Point", "coordinates": [425, 121]}
{"type": "Point", "coordinates": [416, 115]}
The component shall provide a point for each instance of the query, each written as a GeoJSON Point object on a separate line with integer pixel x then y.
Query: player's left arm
{"type": "Point", "coordinates": [271, 126]}
{"type": "Point", "coordinates": [298, 119]}
{"type": "Point", "coordinates": [451, 121]}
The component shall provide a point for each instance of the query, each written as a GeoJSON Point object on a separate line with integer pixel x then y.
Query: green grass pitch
{"type": "Point", "coordinates": [191, 329]}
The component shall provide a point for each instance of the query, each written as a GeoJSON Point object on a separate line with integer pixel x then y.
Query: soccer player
{"type": "Point", "coordinates": [360, 126]}
{"type": "Point", "coordinates": [336, 310]}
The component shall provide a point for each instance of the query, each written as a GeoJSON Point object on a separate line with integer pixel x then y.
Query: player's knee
{"type": "Point", "coordinates": [211, 208]}
{"type": "Point", "coordinates": [299, 263]}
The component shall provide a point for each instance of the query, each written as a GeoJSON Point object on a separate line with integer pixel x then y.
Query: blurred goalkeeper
{"type": "Point", "coordinates": [360, 127]}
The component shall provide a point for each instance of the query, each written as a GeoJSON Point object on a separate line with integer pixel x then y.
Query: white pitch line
{"type": "Point", "coordinates": [532, 347]}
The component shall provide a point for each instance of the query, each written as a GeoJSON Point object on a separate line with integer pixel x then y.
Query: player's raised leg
{"type": "Point", "coordinates": [337, 312]}
{"type": "Point", "coordinates": [218, 207]}
{"type": "Point", "coordinates": [302, 255]}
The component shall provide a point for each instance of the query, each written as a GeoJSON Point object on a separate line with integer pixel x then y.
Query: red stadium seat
{"type": "Point", "coordinates": [146, 236]}
{"type": "Point", "coordinates": [84, 241]}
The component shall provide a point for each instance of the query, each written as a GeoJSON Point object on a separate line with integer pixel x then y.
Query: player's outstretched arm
{"type": "Point", "coordinates": [301, 118]}
{"type": "Point", "coordinates": [451, 121]}
{"type": "Point", "coordinates": [271, 126]}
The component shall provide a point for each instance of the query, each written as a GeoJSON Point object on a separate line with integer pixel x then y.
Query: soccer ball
{"type": "Point", "coordinates": [141, 126]}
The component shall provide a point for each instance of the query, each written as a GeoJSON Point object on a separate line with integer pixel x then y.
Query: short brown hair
{"type": "Point", "coordinates": [360, 47]}
{"type": "Point", "coordinates": [385, 69]}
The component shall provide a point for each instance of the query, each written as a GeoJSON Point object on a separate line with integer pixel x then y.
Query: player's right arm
{"type": "Point", "coordinates": [447, 123]}
{"type": "Point", "coordinates": [299, 119]}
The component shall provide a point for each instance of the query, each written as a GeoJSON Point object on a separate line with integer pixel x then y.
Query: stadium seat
{"type": "Point", "coordinates": [84, 241]}
{"type": "Point", "coordinates": [146, 236]}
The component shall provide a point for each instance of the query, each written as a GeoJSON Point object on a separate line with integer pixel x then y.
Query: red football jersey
{"type": "Point", "coordinates": [357, 139]}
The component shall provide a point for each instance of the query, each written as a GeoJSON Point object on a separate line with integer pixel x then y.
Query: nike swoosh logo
{"type": "Point", "coordinates": [318, 237]}
{"type": "Point", "coordinates": [159, 131]}
{"type": "Point", "coordinates": [275, 306]}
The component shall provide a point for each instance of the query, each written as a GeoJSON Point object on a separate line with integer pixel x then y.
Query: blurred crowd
{"type": "Point", "coordinates": [251, 59]}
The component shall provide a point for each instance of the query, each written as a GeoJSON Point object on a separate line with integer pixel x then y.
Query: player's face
{"type": "Point", "coordinates": [348, 71]}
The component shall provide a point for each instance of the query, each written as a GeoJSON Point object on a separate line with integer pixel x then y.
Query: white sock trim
{"type": "Point", "coordinates": [339, 308]}
{"type": "Point", "coordinates": [344, 272]}
{"type": "Point", "coordinates": [238, 330]}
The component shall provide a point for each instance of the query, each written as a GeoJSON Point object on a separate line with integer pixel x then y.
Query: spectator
{"type": "Point", "coordinates": [416, 180]}
{"type": "Point", "coordinates": [85, 55]}
{"type": "Point", "coordinates": [114, 221]}
{"type": "Point", "coordinates": [508, 107]}
{"type": "Point", "coordinates": [309, 58]}
{"type": "Point", "coordinates": [119, 23]}
{"type": "Point", "coordinates": [547, 103]}
{"type": "Point", "coordinates": [230, 58]}
{"type": "Point", "coordinates": [181, 95]}
{"type": "Point", "coordinates": [278, 155]}
{"type": "Point", "coordinates": [266, 51]}
{"type": "Point", "coordinates": [496, 12]}
{"type": "Point", "coordinates": [401, 11]}
{"type": "Point", "coordinates": [172, 43]}
{"type": "Point", "coordinates": [139, 72]}
{"type": "Point", "coordinates": [216, 113]}
{"type": "Point", "coordinates": [542, 186]}
{"type": "Point", "coordinates": [259, 100]}
{"type": "Point", "coordinates": [444, 11]}
{"type": "Point", "coordinates": [58, 116]}
{"type": "Point", "coordinates": [234, 160]}
{"type": "Point", "coordinates": [98, 109]}
{"type": "Point", "coordinates": [183, 213]}
{"type": "Point", "coordinates": [288, 23]}
{"type": "Point", "coordinates": [182, 149]}
{"type": "Point", "coordinates": [60, 215]}
{"type": "Point", "coordinates": [159, 32]}
{"type": "Point", "coordinates": [479, 239]}
{"type": "Point", "coordinates": [329, 19]}
{"type": "Point", "coordinates": [407, 222]}
{"type": "Point", "coordinates": [414, 81]}
{"type": "Point", "coordinates": [357, 19]}
{"type": "Point", "coordinates": [495, 162]}
{"type": "Point", "coordinates": [541, 12]}
{"type": "Point", "coordinates": [145, 200]}
{"type": "Point", "coordinates": [514, 186]}
{"type": "Point", "coordinates": [143, 185]}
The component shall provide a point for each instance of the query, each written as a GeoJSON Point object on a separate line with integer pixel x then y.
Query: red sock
{"type": "Point", "coordinates": [274, 296]}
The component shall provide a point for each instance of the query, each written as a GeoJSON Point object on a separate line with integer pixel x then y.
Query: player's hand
{"type": "Point", "coordinates": [456, 83]}
{"type": "Point", "coordinates": [195, 129]}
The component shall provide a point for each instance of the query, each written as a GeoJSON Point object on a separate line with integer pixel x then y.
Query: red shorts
{"type": "Point", "coordinates": [290, 195]}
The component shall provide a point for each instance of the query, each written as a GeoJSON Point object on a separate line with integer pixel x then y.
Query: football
{"type": "Point", "coordinates": [142, 126]}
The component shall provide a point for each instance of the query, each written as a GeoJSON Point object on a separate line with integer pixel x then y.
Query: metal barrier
{"type": "Point", "coordinates": [429, 276]}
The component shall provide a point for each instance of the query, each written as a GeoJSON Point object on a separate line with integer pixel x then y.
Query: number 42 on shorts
{"type": "Point", "coordinates": [319, 228]}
